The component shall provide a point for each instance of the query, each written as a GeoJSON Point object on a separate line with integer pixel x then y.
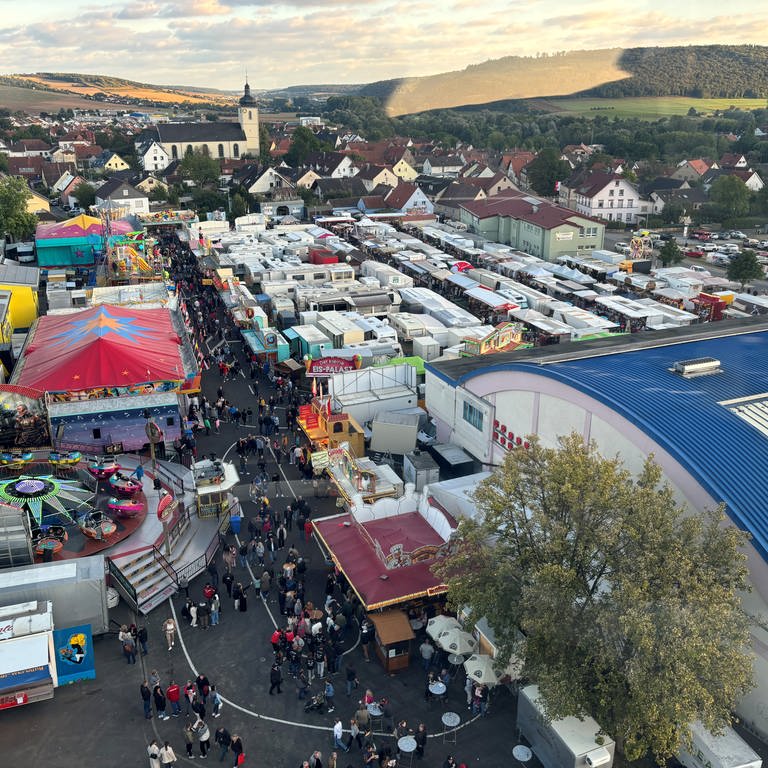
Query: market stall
{"type": "Point", "coordinates": [393, 639]}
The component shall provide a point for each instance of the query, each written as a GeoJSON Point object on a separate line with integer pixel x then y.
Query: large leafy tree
{"type": "Point", "coordinates": [200, 167]}
{"type": "Point", "coordinates": [85, 195]}
{"type": "Point", "coordinates": [546, 170]}
{"type": "Point", "coordinates": [15, 220]}
{"type": "Point", "coordinates": [303, 144]}
{"type": "Point", "coordinates": [732, 195]}
{"type": "Point", "coordinates": [744, 268]}
{"type": "Point", "coordinates": [670, 253]}
{"type": "Point", "coordinates": [621, 606]}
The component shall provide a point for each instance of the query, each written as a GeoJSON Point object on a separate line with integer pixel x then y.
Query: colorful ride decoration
{"type": "Point", "coordinates": [45, 496]}
{"type": "Point", "coordinates": [125, 507]}
{"type": "Point", "coordinates": [97, 525]}
{"type": "Point", "coordinates": [104, 467]}
{"type": "Point", "coordinates": [15, 458]}
{"type": "Point", "coordinates": [165, 505]}
{"type": "Point", "coordinates": [64, 459]}
{"type": "Point", "coordinates": [123, 485]}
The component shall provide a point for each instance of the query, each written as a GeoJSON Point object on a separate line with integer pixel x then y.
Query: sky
{"type": "Point", "coordinates": [211, 43]}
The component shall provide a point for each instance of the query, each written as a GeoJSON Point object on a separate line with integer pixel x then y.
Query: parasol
{"type": "Point", "coordinates": [440, 624]}
{"type": "Point", "coordinates": [457, 641]}
{"type": "Point", "coordinates": [479, 666]}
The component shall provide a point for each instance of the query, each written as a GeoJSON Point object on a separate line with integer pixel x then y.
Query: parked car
{"type": "Point", "coordinates": [721, 259]}
{"type": "Point", "coordinates": [750, 242]}
{"type": "Point", "coordinates": [622, 248]}
{"type": "Point", "coordinates": [738, 235]}
{"type": "Point", "coordinates": [699, 268]}
{"type": "Point", "coordinates": [666, 236]}
{"type": "Point", "coordinates": [764, 244]}
{"type": "Point", "coordinates": [694, 253]}
{"type": "Point", "coordinates": [709, 247]}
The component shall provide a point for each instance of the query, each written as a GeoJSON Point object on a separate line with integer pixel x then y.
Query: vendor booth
{"type": "Point", "coordinates": [393, 639]}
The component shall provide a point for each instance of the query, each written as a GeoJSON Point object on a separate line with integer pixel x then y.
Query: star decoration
{"type": "Point", "coordinates": [102, 324]}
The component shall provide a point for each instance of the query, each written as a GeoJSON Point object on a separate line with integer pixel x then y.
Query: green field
{"type": "Point", "coordinates": [33, 101]}
{"type": "Point", "coordinates": [650, 107]}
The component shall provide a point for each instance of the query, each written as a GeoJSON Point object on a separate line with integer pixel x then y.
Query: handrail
{"type": "Point", "coordinates": [129, 591]}
{"type": "Point", "coordinates": [160, 558]}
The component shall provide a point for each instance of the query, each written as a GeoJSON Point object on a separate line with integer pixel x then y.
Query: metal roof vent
{"type": "Point", "coordinates": [699, 366]}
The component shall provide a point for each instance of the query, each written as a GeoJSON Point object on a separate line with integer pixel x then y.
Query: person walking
{"type": "Point", "coordinates": [215, 609]}
{"type": "Point", "coordinates": [146, 699]}
{"type": "Point", "coordinates": [223, 740]}
{"type": "Point", "coordinates": [217, 702]}
{"type": "Point", "coordinates": [338, 735]}
{"type": "Point", "coordinates": [167, 755]}
{"type": "Point", "coordinates": [169, 629]}
{"type": "Point", "coordinates": [421, 740]}
{"type": "Point", "coordinates": [189, 695]}
{"type": "Point", "coordinates": [203, 687]}
{"type": "Point", "coordinates": [153, 752]}
{"type": "Point", "coordinates": [275, 678]}
{"type": "Point", "coordinates": [142, 637]}
{"type": "Point", "coordinates": [237, 750]}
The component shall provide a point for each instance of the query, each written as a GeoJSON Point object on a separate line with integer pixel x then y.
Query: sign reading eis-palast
{"type": "Point", "coordinates": [325, 366]}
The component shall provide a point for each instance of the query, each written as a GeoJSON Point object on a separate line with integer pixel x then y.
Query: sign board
{"type": "Point", "coordinates": [563, 235]}
{"type": "Point", "coordinates": [74, 654]}
{"type": "Point", "coordinates": [319, 459]}
{"type": "Point", "coordinates": [327, 366]}
{"type": "Point", "coordinates": [207, 281]}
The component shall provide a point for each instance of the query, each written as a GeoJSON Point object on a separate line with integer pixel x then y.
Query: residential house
{"type": "Point", "coordinates": [147, 183]}
{"type": "Point", "coordinates": [533, 225]}
{"type": "Point", "coordinates": [692, 170]}
{"type": "Point", "coordinates": [404, 170]}
{"type": "Point", "coordinates": [433, 186]}
{"type": "Point", "coordinates": [491, 185]}
{"type": "Point", "coordinates": [576, 154]}
{"type": "Point", "coordinates": [51, 172]}
{"type": "Point", "coordinates": [730, 160]}
{"type": "Point", "coordinates": [370, 204]}
{"type": "Point", "coordinates": [263, 181]}
{"type": "Point", "coordinates": [84, 153]}
{"type": "Point", "coordinates": [303, 178]}
{"type": "Point", "coordinates": [751, 178]}
{"type": "Point", "coordinates": [68, 195]}
{"type": "Point", "coordinates": [30, 148]}
{"type": "Point", "coordinates": [37, 203]}
{"type": "Point", "coordinates": [513, 163]}
{"type": "Point", "coordinates": [108, 162]}
{"type": "Point", "coordinates": [29, 168]}
{"type": "Point", "coordinates": [663, 184]}
{"type": "Point", "coordinates": [152, 156]}
{"type": "Point", "coordinates": [116, 193]}
{"type": "Point", "coordinates": [443, 165]}
{"type": "Point", "coordinates": [63, 154]}
{"type": "Point", "coordinates": [332, 165]}
{"type": "Point", "coordinates": [374, 175]}
{"type": "Point", "coordinates": [451, 197]}
{"type": "Point", "coordinates": [409, 199]}
{"type": "Point", "coordinates": [476, 169]}
{"type": "Point", "coordinates": [690, 200]}
{"type": "Point", "coordinates": [606, 196]}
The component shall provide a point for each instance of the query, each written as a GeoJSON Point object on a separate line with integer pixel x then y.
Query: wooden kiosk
{"type": "Point", "coordinates": [393, 639]}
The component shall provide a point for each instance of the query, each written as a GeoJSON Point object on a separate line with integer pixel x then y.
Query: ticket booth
{"type": "Point", "coordinates": [393, 639]}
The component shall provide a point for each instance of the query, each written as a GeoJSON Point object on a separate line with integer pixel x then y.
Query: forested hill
{"type": "Point", "coordinates": [700, 71]}
{"type": "Point", "coordinates": [713, 71]}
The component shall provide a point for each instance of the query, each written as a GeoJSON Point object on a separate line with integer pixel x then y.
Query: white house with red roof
{"type": "Point", "coordinates": [607, 196]}
{"type": "Point", "coordinates": [409, 199]}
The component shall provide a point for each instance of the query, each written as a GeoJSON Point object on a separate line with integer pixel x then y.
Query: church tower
{"type": "Point", "coordinates": [248, 117]}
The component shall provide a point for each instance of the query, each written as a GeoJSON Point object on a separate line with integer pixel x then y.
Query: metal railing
{"type": "Point", "coordinates": [121, 583]}
{"type": "Point", "coordinates": [161, 560]}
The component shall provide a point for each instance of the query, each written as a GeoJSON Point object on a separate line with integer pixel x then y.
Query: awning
{"type": "Point", "coordinates": [376, 299]}
{"type": "Point", "coordinates": [489, 298]}
{"type": "Point", "coordinates": [461, 280]}
{"type": "Point", "coordinates": [392, 627]}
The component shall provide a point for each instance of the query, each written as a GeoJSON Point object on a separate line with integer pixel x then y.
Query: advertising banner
{"type": "Point", "coordinates": [74, 654]}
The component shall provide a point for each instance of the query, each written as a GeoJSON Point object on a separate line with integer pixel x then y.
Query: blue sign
{"type": "Point", "coordinates": [74, 654]}
{"type": "Point", "coordinates": [24, 677]}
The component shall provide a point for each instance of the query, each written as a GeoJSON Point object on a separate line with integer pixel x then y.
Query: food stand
{"type": "Point", "coordinates": [393, 639]}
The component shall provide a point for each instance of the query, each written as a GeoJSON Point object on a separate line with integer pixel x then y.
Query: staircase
{"type": "Point", "coordinates": [153, 577]}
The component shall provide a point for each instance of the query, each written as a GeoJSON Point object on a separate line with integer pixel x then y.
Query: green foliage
{"type": "Point", "coordinates": [546, 170]}
{"type": "Point", "coordinates": [265, 142]}
{"type": "Point", "coordinates": [200, 167]}
{"type": "Point", "coordinates": [670, 254]}
{"type": "Point", "coordinates": [612, 596]}
{"type": "Point", "coordinates": [207, 200]}
{"type": "Point", "coordinates": [731, 194]}
{"type": "Point", "coordinates": [238, 206]}
{"type": "Point", "coordinates": [158, 194]}
{"type": "Point", "coordinates": [31, 132]}
{"type": "Point", "coordinates": [303, 144]}
{"type": "Point", "coordinates": [702, 71]}
{"type": "Point", "coordinates": [85, 195]}
{"type": "Point", "coordinates": [744, 268]}
{"type": "Point", "coordinates": [14, 219]}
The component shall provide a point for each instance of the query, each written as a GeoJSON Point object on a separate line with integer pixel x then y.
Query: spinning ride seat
{"type": "Point", "coordinates": [64, 459]}
{"type": "Point", "coordinates": [125, 507]}
{"type": "Point", "coordinates": [98, 526]}
{"type": "Point", "coordinates": [103, 468]}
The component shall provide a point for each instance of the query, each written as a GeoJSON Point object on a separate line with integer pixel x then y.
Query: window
{"type": "Point", "coordinates": [250, 115]}
{"type": "Point", "coordinates": [600, 203]}
{"type": "Point", "coordinates": [189, 149]}
{"type": "Point", "coordinates": [221, 151]}
{"type": "Point", "coordinates": [169, 421]}
{"type": "Point", "coordinates": [236, 150]}
{"type": "Point", "coordinates": [206, 151]}
{"type": "Point", "coordinates": [473, 416]}
{"type": "Point", "coordinates": [174, 152]}
{"type": "Point", "coordinates": [97, 434]}
{"type": "Point", "coordinates": [621, 203]}
{"type": "Point", "coordinates": [630, 203]}
{"type": "Point", "coordinates": [610, 193]}
{"type": "Point", "coordinates": [610, 204]}
{"type": "Point", "coordinates": [621, 193]}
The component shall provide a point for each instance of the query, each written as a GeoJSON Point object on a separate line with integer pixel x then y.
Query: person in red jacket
{"type": "Point", "coordinates": [173, 694]}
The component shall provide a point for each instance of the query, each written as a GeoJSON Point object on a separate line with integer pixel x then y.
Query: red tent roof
{"type": "Point", "coordinates": [352, 550]}
{"type": "Point", "coordinates": [101, 347]}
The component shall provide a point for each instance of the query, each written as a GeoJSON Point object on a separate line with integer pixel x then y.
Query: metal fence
{"type": "Point", "coordinates": [121, 584]}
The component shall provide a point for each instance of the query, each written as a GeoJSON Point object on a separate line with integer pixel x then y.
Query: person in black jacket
{"type": "Point", "coordinates": [146, 698]}
{"type": "Point", "coordinates": [275, 679]}
{"type": "Point", "coordinates": [223, 739]}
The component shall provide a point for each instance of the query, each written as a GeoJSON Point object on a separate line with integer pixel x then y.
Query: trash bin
{"type": "Point", "coordinates": [234, 524]}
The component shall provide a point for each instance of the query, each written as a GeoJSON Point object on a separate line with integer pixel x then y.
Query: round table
{"type": "Point", "coordinates": [416, 624]}
{"type": "Point", "coordinates": [455, 659]}
{"type": "Point", "coordinates": [407, 746]}
{"type": "Point", "coordinates": [522, 753]}
{"type": "Point", "coordinates": [450, 722]}
{"type": "Point", "coordinates": [437, 688]}
{"type": "Point", "coordinates": [376, 713]}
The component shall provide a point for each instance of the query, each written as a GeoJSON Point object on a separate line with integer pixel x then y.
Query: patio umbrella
{"type": "Point", "coordinates": [479, 666]}
{"type": "Point", "coordinates": [439, 624]}
{"type": "Point", "coordinates": [457, 641]}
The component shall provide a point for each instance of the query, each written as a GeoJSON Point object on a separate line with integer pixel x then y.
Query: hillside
{"type": "Point", "coordinates": [117, 90]}
{"type": "Point", "coordinates": [701, 71]}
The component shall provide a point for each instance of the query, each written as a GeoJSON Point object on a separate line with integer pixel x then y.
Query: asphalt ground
{"type": "Point", "coordinates": [101, 722]}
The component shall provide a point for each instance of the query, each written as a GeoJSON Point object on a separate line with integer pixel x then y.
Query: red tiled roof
{"type": "Point", "coordinates": [699, 165]}
{"type": "Point", "coordinates": [400, 195]}
{"type": "Point", "coordinates": [519, 206]}
{"type": "Point", "coordinates": [352, 549]}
